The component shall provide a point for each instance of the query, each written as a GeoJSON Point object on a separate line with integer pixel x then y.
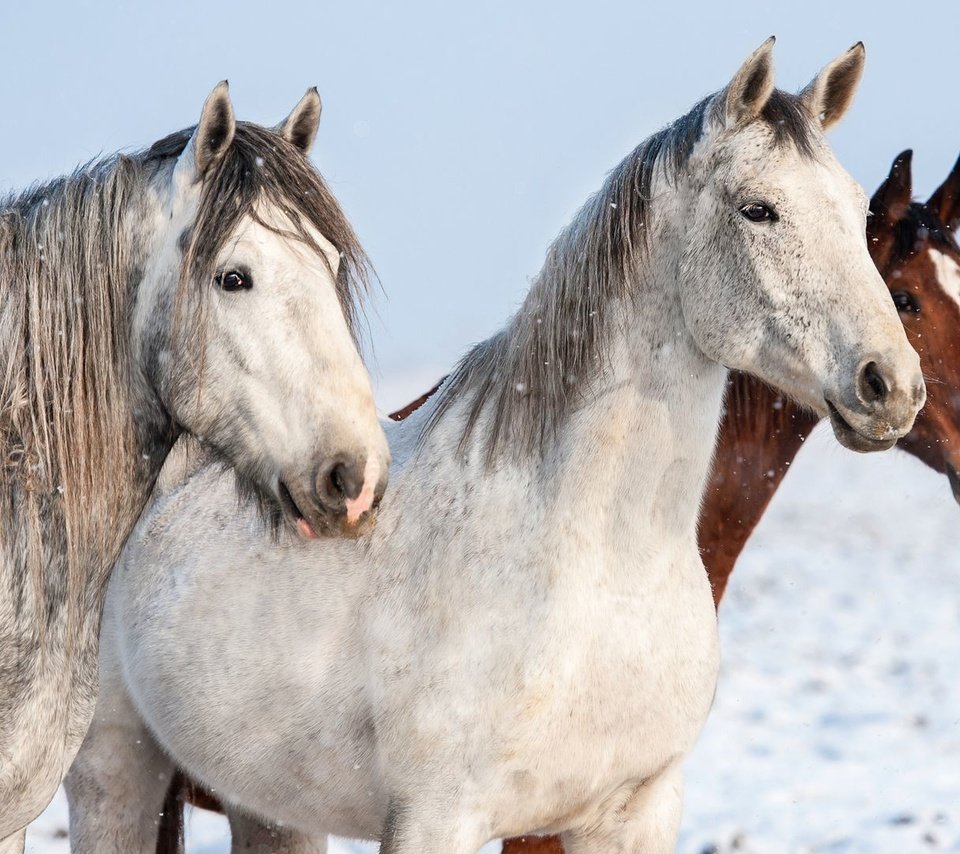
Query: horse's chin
{"type": "Point", "coordinates": [848, 436]}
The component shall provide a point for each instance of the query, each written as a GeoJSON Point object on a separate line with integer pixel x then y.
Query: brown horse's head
{"type": "Point", "coordinates": [914, 248]}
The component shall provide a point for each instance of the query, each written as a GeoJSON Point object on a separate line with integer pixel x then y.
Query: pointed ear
{"type": "Point", "coordinates": [893, 196]}
{"type": "Point", "coordinates": [887, 208]}
{"type": "Point", "coordinates": [945, 200]}
{"type": "Point", "coordinates": [751, 87]}
{"type": "Point", "coordinates": [829, 95]}
{"type": "Point", "coordinates": [300, 127]}
{"type": "Point", "coordinates": [212, 137]}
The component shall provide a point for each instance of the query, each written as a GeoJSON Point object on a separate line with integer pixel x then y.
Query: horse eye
{"type": "Point", "coordinates": [906, 301]}
{"type": "Point", "coordinates": [758, 212]}
{"type": "Point", "coordinates": [233, 280]}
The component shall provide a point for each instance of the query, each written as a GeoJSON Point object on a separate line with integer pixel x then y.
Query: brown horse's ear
{"type": "Point", "coordinates": [829, 95]}
{"type": "Point", "coordinates": [300, 127]}
{"type": "Point", "coordinates": [888, 206]}
{"type": "Point", "coordinates": [945, 200]}
{"type": "Point", "coordinates": [747, 94]}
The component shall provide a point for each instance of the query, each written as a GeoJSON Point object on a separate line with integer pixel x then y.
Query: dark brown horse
{"type": "Point", "coordinates": [762, 431]}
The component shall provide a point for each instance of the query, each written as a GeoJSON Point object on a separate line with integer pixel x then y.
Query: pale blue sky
{"type": "Point", "coordinates": [460, 138]}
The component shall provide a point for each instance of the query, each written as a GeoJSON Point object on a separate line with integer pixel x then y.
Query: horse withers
{"type": "Point", "coordinates": [538, 651]}
{"type": "Point", "coordinates": [203, 286]}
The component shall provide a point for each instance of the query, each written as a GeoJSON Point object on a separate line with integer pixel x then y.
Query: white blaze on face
{"type": "Point", "coordinates": [948, 274]}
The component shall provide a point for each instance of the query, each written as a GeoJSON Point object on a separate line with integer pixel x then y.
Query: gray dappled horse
{"type": "Point", "coordinates": [204, 286]}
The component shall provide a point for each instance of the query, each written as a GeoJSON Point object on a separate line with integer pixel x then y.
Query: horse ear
{"type": "Point", "coordinates": [747, 94]}
{"type": "Point", "coordinates": [893, 196]}
{"type": "Point", "coordinates": [212, 137]}
{"type": "Point", "coordinates": [887, 208]}
{"type": "Point", "coordinates": [300, 127]}
{"type": "Point", "coordinates": [829, 95]}
{"type": "Point", "coordinates": [946, 198]}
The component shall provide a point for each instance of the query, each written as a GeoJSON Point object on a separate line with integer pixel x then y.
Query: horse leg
{"type": "Point", "coordinates": [428, 829]}
{"type": "Point", "coordinates": [117, 784]}
{"type": "Point", "coordinates": [116, 789]}
{"type": "Point", "coordinates": [533, 845]}
{"type": "Point", "coordinates": [249, 834]}
{"type": "Point", "coordinates": [14, 844]}
{"type": "Point", "coordinates": [645, 820]}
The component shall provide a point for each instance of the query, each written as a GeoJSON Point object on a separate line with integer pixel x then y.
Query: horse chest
{"type": "Point", "coordinates": [627, 692]}
{"type": "Point", "coordinates": [553, 710]}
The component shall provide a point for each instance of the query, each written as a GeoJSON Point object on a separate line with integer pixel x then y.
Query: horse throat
{"type": "Point", "coordinates": [641, 443]}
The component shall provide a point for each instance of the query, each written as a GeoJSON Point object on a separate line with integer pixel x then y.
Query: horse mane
{"type": "Point", "coordinates": [70, 263]}
{"type": "Point", "coordinates": [535, 371]}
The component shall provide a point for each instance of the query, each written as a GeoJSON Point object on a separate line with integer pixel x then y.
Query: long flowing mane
{"type": "Point", "coordinates": [536, 370]}
{"type": "Point", "coordinates": [71, 258]}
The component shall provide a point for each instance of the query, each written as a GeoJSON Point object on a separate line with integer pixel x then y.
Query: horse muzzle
{"type": "Point", "coordinates": [879, 406]}
{"type": "Point", "coordinates": [339, 500]}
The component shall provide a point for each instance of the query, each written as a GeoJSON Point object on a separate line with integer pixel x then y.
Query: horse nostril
{"type": "Point", "coordinates": [340, 482]}
{"type": "Point", "coordinates": [873, 388]}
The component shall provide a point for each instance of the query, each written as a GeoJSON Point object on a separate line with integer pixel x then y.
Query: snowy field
{"type": "Point", "coordinates": [837, 721]}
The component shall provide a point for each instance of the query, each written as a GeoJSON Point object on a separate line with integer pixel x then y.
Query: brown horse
{"type": "Point", "coordinates": [762, 431]}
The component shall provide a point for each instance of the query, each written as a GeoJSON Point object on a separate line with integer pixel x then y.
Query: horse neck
{"type": "Point", "coordinates": [760, 434]}
{"type": "Point", "coordinates": [626, 468]}
{"type": "Point", "coordinates": [644, 442]}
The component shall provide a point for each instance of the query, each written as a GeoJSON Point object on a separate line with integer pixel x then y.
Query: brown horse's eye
{"type": "Point", "coordinates": [233, 280]}
{"type": "Point", "coordinates": [759, 212]}
{"type": "Point", "coordinates": [906, 301]}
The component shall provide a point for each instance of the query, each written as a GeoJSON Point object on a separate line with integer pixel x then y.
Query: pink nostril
{"type": "Point", "coordinates": [338, 482]}
{"type": "Point", "coordinates": [356, 507]}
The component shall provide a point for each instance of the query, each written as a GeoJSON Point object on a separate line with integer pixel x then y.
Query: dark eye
{"type": "Point", "coordinates": [233, 280]}
{"type": "Point", "coordinates": [758, 212]}
{"type": "Point", "coordinates": [906, 301]}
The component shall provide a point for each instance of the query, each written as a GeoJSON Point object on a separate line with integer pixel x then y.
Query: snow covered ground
{"type": "Point", "coordinates": [836, 726]}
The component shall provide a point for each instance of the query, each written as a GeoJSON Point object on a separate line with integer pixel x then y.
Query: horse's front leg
{"type": "Point", "coordinates": [645, 820]}
{"type": "Point", "coordinates": [249, 834]}
{"type": "Point", "coordinates": [116, 789]}
{"type": "Point", "coordinates": [431, 826]}
{"type": "Point", "coordinates": [117, 783]}
{"type": "Point", "coordinates": [14, 844]}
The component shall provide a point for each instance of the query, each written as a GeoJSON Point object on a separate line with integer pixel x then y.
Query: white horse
{"type": "Point", "coordinates": [527, 641]}
{"type": "Point", "coordinates": [204, 286]}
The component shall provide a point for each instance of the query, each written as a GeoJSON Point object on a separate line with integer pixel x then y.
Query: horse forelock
{"type": "Point", "coordinates": [262, 174]}
{"type": "Point", "coordinates": [531, 375]}
{"type": "Point", "coordinates": [918, 225]}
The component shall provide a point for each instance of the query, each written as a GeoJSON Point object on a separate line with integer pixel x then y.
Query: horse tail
{"type": "Point", "coordinates": [170, 831]}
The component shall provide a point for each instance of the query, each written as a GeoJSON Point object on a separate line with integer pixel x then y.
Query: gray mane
{"type": "Point", "coordinates": [535, 371]}
{"type": "Point", "coordinates": [70, 262]}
